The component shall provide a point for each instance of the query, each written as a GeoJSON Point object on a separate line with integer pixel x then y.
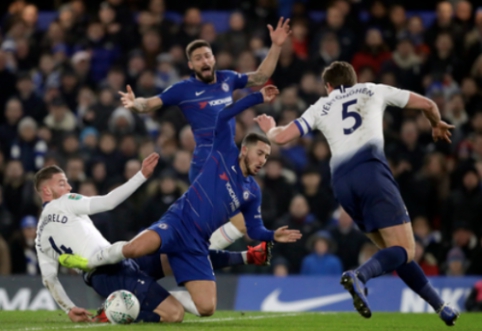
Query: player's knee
{"type": "Point", "coordinates": [206, 309]}
{"type": "Point", "coordinates": [129, 250]}
{"type": "Point", "coordinates": [410, 254]}
{"type": "Point", "coordinates": [174, 316]}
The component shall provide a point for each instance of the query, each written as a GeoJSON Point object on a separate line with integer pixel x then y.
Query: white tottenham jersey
{"type": "Point", "coordinates": [65, 227]}
{"type": "Point", "coordinates": [352, 119]}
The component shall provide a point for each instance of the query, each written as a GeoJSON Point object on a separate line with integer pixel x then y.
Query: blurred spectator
{"type": "Point", "coordinates": [464, 204]}
{"type": "Point", "coordinates": [7, 224]}
{"type": "Point", "coordinates": [98, 173]}
{"type": "Point", "coordinates": [5, 264]}
{"type": "Point", "coordinates": [22, 248]}
{"type": "Point", "coordinates": [161, 194]}
{"type": "Point", "coordinates": [300, 38]}
{"type": "Point", "coordinates": [8, 130]}
{"type": "Point", "coordinates": [190, 27]}
{"type": "Point", "coordinates": [166, 74]}
{"type": "Point", "coordinates": [151, 47]}
{"type": "Point", "coordinates": [289, 69]}
{"type": "Point", "coordinates": [69, 88]}
{"type": "Point", "coordinates": [27, 147]}
{"type": "Point", "coordinates": [280, 267]}
{"type": "Point", "coordinates": [60, 118]}
{"type": "Point", "coordinates": [348, 239]}
{"type": "Point", "coordinates": [298, 218]}
{"type": "Point", "coordinates": [98, 115]}
{"type": "Point", "coordinates": [181, 165]}
{"type": "Point", "coordinates": [235, 39]}
{"type": "Point", "coordinates": [329, 51]}
{"type": "Point", "coordinates": [321, 201]}
{"type": "Point", "coordinates": [367, 251]}
{"type": "Point", "coordinates": [456, 262]}
{"type": "Point", "coordinates": [398, 23]}
{"type": "Point", "coordinates": [46, 75]}
{"type": "Point", "coordinates": [109, 155]}
{"type": "Point", "coordinates": [373, 53]}
{"type": "Point", "coordinates": [335, 23]}
{"type": "Point", "coordinates": [75, 172]}
{"type": "Point", "coordinates": [104, 52]}
{"type": "Point", "coordinates": [122, 122]}
{"type": "Point", "coordinates": [472, 96]}
{"type": "Point", "coordinates": [81, 64]}
{"type": "Point", "coordinates": [7, 83]}
{"type": "Point", "coordinates": [415, 32]}
{"type": "Point", "coordinates": [443, 60]}
{"type": "Point", "coordinates": [70, 146]}
{"type": "Point", "coordinates": [166, 27]}
{"type": "Point", "coordinates": [406, 65]}
{"type": "Point", "coordinates": [32, 105]}
{"type": "Point", "coordinates": [277, 183]}
{"type": "Point", "coordinates": [321, 262]}
{"type": "Point", "coordinates": [444, 23]}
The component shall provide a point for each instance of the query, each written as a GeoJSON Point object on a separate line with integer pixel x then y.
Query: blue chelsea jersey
{"type": "Point", "coordinates": [201, 104]}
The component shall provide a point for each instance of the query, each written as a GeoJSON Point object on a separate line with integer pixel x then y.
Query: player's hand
{"type": "Point", "coordinates": [284, 235]}
{"type": "Point", "coordinates": [269, 92]}
{"type": "Point", "coordinates": [127, 98]}
{"type": "Point", "coordinates": [265, 122]}
{"type": "Point", "coordinates": [281, 33]}
{"type": "Point", "coordinates": [442, 132]}
{"type": "Point", "coordinates": [149, 164]}
{"type": "Point", "coordinates": [77, 315]}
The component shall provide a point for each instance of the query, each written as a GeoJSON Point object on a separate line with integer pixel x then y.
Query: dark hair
{"type": "Point", "coordinates": [198, 43]}
{"type": "Point", "coordinates": [253, 137]}
{"type": "Point", "coordinates": [46, 174]}
{"type": "Point", "coordinates": [339, 73]}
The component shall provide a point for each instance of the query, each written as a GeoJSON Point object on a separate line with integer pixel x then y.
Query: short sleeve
{"type": "Point", "coordinates": [170, 96]}
{"type": "Point", "coordinates": [306, 123]}
{"type": "Point", "coordinates": [393, 96]}
{"type": "Point", "coordinates": [240, 80]}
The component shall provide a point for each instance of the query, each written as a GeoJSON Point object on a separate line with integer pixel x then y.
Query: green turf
{"type": "Point", "coordinates": [250, 321]}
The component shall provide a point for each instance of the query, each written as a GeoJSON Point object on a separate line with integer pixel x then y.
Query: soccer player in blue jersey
{"type": "Point", "coordinates": [224, 187]}
{"type": "Point", "coordinates": [351, 119]}
{"type": "Point", "coordinates": [201, 97]}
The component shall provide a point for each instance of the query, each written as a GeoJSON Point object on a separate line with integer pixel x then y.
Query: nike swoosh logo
{"type": "Point", "coordinates": [272, 302]}
{"type": "Point", "coordinates": [234, 169]}
{"type": "Point", "coordinates": [199, 93]}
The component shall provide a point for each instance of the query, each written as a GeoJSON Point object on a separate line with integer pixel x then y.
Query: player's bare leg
{"type": "Point", "coordinates": [170, 310]}
{"type": "Point", "coordinates": [203, 294]}
{"type": "Point", "coordinates": [228, 233]}
{"type": "Point", "coordinates": [144, 243]}
{"type": "Point", "coordinates": [410, 272]}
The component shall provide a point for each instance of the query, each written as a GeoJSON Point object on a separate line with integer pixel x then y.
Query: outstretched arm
{"type": "Point", "coordinates": [48, 268]}
{"type": "Point", "coordinates": [140, 105]}
{"type": "Point", "coordinates": [267, 67]}
{"type": "Point", "coordinates": [440, 129]}
{"type": "Point", "coordinates": [223, 134]}
{"type": "Point", "coordinates": [81, 205]}
{"type": "Point", "coordinates": [279, 134]}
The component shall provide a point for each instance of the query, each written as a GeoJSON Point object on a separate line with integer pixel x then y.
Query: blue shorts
{"type": "Point", "coordinates": [189, 259]}
{"type": "Point", "coordinates": [127, 275]}
{"type": "Point", "coordinates": [370, 195]}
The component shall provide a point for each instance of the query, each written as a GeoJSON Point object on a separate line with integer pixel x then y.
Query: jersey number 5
{"type": "Point", "coordinates": [346, 114]}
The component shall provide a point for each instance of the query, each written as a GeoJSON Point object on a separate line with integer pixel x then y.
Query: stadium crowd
{"type": "Point", "coordinates": [59, 105]}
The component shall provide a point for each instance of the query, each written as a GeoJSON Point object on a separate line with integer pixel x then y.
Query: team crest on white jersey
{"type": "Point", "coordinates": [225, 87]}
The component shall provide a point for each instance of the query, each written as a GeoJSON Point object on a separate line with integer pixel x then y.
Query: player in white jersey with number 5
{"type": "Point", "coordinates": [351, 119]}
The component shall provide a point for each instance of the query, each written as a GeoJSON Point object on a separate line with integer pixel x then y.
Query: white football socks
{"type": "Point", "coordinates": [224, 236]}
{"type": "Point", "coordinates": [108, 255]}
{"type": "Point", "coordinates": [186, 301]}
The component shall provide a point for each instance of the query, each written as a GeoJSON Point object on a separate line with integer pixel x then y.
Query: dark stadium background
{"type": "Point", "coordinates": [440, 183]}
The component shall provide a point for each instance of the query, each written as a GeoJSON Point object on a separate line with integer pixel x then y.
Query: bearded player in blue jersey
{"type": "Point", "coordinates": [201, 97]}
{"type": "Point", "coordinates": [224, 188]}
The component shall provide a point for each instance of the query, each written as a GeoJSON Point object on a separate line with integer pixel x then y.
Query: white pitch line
{"type": "Point", "coordinates": [228, 319]}
{"type": "Point", "coordinates": [83, 326]}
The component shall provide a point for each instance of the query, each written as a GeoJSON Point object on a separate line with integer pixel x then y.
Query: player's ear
{"type": "Point", "coordinates": [189, 64]}
{"type": "Point", "coordinates": [244, 150]}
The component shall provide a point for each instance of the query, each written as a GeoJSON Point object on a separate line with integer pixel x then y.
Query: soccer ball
{"type": "Point", "coordinates": [122, 307]}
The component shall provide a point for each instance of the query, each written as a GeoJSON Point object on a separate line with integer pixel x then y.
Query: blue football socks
{"type": "Point", "coordinates": [413, 276]}
{"type": "Point", "coordinates": [384, 261]}
{"type": "Point", "coordinates": [223, 259]}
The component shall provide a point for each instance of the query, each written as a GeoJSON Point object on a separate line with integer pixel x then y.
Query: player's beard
{"type": "Point", "coordinates": [246, 164]}
{"type": "Point", "coordinates": [208, 79]}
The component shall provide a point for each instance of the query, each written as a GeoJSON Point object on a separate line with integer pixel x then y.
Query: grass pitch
{"type": "Point", "coordinates": [249, 321]}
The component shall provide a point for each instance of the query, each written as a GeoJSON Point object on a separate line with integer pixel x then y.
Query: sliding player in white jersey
{"type": "Point", "coordinates": [65, 227]}
{"type": "Point", "coordinates": [351, 119]}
